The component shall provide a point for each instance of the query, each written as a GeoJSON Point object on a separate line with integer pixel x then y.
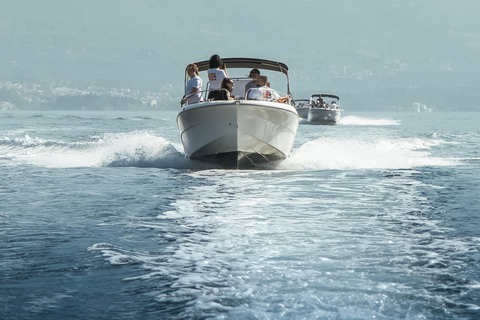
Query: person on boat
{"type": "Point", "coordinates": [225, 90]}
{"type": "Point", "coordinates": [263, 92]}
{"type": "Point", "coordinates": [254, 73]}
{"type": "Point", "coordinates": [321, 103]}
{"type": "Point", "coordinates": [216, 73]}
{"type": "Point", "coordinates": [194, 86]}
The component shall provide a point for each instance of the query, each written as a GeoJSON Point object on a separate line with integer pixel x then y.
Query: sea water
{"type": "Point", "coordinates": [102, 217]}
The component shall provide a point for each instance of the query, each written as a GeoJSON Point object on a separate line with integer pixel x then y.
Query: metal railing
{"type": "Point", "coordinates": [205, 93]}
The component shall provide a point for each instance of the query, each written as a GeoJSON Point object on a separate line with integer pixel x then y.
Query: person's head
{"type": "Point", "coordinates": [227, 83]}
{"type": "Point", "coordinates": [262, 81]}
{"type": "Point", "coordinates": [192, 70]}
{"type": "Point", "coordinates": [215, 61]}
{"type": "Point", "coordinates": [254, 73]}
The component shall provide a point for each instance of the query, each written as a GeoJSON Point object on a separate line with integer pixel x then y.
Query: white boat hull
{"type": "Point", "coordinates": [303, 112]}
{"type": "Point", "coordinates": [238, 134]}
{"type": "Point", "coordinates": [323, 116]}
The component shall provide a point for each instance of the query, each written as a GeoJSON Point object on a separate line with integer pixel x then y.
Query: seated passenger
{"type": "Point", "coordinates": [262, 92]}
{"type": "Point", "coordinates": [227, 84]}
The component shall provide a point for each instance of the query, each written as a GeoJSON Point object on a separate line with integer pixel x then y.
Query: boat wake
{"type": "Point", "coordinates": [361, 121]}
{"type": "Point", "coordinates": [134, 149]}
{"type": "Point", "coordinates": [142, 149]}
{"type": "Point", "coordinates": [346, 154]}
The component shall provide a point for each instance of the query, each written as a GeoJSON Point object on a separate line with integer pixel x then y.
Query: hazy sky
{"type": "Point", "coordinates": [333, 45]}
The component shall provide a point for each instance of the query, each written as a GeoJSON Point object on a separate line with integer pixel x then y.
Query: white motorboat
{"type": "Point", "coordinates": [321, 112]}
{"type": "Point", "coordinates": [302, 107]}
{"type": "Point", "coordinates": [239, 133]}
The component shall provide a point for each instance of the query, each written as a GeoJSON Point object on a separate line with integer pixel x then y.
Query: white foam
{"type": "Point", "coordinates": [139, 149]}
{"type": "Point", "coordinates": [142, 149]}
{"type": "Point", "coordinates": [361, 121]}
{"type": "Point", "coordinates": [344, 154]}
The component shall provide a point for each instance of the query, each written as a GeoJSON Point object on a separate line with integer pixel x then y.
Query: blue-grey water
{"type": "Point", "coordinates": [102, 217]}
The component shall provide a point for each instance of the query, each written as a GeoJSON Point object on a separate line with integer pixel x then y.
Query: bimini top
{"type": "Point", "coordinates": [247, 63]}
{"type": "Point", "coordinates": [325, 96]}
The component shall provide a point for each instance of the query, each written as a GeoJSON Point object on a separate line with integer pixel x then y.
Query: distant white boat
{"type": "Point", "coordinates": [302, 107]}
{"type": "Point", "coordinates": [321, 112]}
{"type": "Point", "coordinates": [421, 107]}
{"type": "Point", "coordinates": [239, 133]}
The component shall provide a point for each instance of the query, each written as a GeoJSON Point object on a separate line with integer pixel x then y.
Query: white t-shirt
{"type": "Point", "coordinates": [195, 82]}
{"type": "Point", "coordinates": [215, 77]}
{"type": "Point", "coordinates": [263, 93]}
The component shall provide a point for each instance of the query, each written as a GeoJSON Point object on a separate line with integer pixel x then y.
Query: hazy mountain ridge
{"type": "Point", "coordinates": [363, 52]}
{"type": "Point", "coordinates": [32, 96]}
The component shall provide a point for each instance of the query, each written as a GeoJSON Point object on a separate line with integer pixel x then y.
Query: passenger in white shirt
{"type": "Point", "coordinates": [262, 92]}
{"type": "Point", "coordinates": [194, 86]}
{"type": "Point", "coordinates": [216, 74]}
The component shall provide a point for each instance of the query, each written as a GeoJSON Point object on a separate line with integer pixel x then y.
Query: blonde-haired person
{"type": "Point", "coordinates": [194, 86]}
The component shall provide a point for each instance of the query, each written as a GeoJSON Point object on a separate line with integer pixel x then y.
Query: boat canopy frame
{"type": "Point", "coordinates": [247, 63]}
{"type": "Point", "coordinates": [321, 95]}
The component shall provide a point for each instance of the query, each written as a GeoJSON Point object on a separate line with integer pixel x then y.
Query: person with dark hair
{"type": "Point", "coordinates": [216, 73]}
{"type": "Point", "coordinates": [254, 73]}
{"type": "Point", "coordinates": [194, 86]}
{"type": "Point", "coordinates": [225, 90]}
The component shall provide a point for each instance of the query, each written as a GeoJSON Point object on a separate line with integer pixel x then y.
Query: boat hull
{"type": "Point", "coordinates": [302, 112]}
{"type": "Point", "coordinates": [238, 134]}
{"type": "Point", "coordinates": [323, 116]}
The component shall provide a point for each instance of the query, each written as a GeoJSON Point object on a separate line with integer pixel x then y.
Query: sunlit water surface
{"type": "Point", "coordinates": [102, 217]}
